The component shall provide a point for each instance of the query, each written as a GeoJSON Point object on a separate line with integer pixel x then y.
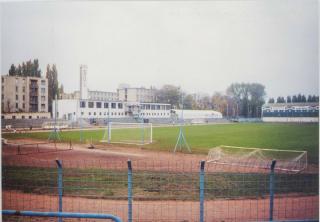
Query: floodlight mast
{"type": "Point", "coordinates": [181, 137]}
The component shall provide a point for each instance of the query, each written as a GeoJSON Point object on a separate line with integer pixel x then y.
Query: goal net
{"type": "Point", "coordinates": [128, 133]}
{"type": "Point", "coordinates": [287, 160]}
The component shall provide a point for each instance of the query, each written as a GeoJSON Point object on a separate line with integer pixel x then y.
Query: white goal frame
{"type": "Point", "coordinates": [107, 137]}
{"type": "Point", "coordinates": [282, 165]}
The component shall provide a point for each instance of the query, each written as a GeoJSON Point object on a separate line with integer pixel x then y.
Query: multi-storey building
{"type": "Point", "coordinates": [24, 94]}
{"type": "Point", "coordinates": [128, 94]}
{"type": "Point", "coordinates": [290, 112]}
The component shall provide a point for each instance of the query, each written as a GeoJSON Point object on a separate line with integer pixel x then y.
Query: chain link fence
{"type": "Point", "coordinates": [150, 190]}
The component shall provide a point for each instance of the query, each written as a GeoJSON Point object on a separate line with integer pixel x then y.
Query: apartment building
{"type": "Point", "coordinates": [24, 94]}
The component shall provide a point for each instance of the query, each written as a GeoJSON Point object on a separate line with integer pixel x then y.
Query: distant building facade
{"type": "Point", "coordinates": [129, 94]}
{"type": "Point", "coordinates": [24, 94]}
{"type": "Point", "coordinates": [290, 112]}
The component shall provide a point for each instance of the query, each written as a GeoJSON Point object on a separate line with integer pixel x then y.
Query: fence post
{"type": "Point", "coordinates": [202, 190]}
{"type": "Point", "coordinates": [271, 187]}
{"type": "Point", "coordinates": [129, 191]}
{"type": "Point", "coordinates": [60, 186]}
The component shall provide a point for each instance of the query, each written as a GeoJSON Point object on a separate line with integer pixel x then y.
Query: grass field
{"type": "Point", "coordinates": [111, 184]}
{"type": "Point", "coordinates": [202, 137]}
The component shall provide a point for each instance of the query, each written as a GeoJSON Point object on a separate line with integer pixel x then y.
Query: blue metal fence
{"type": "Point", "coordinates": [151, 183]}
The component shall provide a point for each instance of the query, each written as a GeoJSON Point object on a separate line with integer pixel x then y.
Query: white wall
{"type": "Point", "coordinates": [291, 119]}
{"type": "Point", "coordinates": [198, 114]}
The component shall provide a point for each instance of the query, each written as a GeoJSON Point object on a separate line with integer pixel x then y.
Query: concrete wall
{"type": "Point", "coordinates": [291, 119]}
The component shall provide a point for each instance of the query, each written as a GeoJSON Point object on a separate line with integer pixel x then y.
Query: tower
{"type": "Point", "coordinates": [83, 82]}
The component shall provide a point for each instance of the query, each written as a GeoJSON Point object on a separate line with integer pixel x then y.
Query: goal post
{"type": "Point", "coordinates": [128, 133]}
{"type": "Point", "coordinates": [287, 160]}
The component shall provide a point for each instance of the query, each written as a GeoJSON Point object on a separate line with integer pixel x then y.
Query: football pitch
{"type": "Point", "coordinates": [203, 137]}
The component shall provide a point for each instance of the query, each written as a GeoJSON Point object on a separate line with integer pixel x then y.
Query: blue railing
{"type": "Point", "coordinates": [61, 215]}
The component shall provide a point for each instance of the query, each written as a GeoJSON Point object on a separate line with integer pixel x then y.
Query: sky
{"type": "Point", "coordinates": [201, 46]}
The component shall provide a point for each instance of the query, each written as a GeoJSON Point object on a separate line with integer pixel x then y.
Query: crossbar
{"type": "Point", "coordinates": [252, 148]}
{"type": "Point", "coordinates": [61, 214]}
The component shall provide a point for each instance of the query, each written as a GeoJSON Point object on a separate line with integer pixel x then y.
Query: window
{"type": "Point", "coordinates": [113, 105]}
{"type": "Point", "coordinates": [153, 107]}
{"type": "Point", "coordinates": [23, 105]}
{"type": "Point", "coordinates": [94, 113]}
{"type": "Point", "coordinates": [120, 106]}
{"type": "Point", "coordinates": [23, 97]}
{"type": "Point", "coordinates": [13, 117]}
{"type": "Point", "coordinates": [2, 97]}
{"type": "Point", "coordinates": [81, 113]}
{"type": "Point", "coordinates": [89, 113]}
{"type": "Point", "coordinates": [16, 105]}
{"type": "Point", "coordinates": [17, 97]}
{"type": "Point", "coordinates": [106, 105]}
{"type": "Point", "coordinates": [22, 117]}
{"type": "Point", "coordinates": [16, 88]}
{"type": "Point", "coordinates": [2, 117]}
{"type": "Point", "coordinates": [30, 117]}
{"type": "Point", "coordinates": [100, 113]}
{"type": "Point", "coordinates": [43, 90]}
{"type": "Point", "coordinates": [98, 104]}
{"type": "Point", "coordinates": [90, 104]}
{"type": "Point", "coordinates": [43, 82]}
{"type": "Point", "coordinates": [82, 104]}
{"type": "Point", "coordinates": [23, 89]}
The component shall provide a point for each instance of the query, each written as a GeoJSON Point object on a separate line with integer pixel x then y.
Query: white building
{"type": "Point", "coordinates": [96, 109]}
{"type": "Point", "coordinates": [290, 112]}
{"type": "Point", "coordinates": [197, 115]}
{"type": "Point", "coordinates": [131, 94]}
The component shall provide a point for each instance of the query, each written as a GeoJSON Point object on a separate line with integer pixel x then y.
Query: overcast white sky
{"type": "Point", "coordinates": [202, 46]}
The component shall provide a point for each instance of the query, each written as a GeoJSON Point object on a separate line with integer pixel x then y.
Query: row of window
{"type": "Point", "coordinates": [155, 107]}
{"type": "Point", "coordinates": [105, 113]}
{"type": "Point", "coordinates": [154, 114]}
{"type": "Point", "coordinates": [25, 117]}
{"type": "Point", "coordinates": [83, 104]}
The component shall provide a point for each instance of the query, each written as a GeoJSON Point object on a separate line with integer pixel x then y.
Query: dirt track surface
{"type": "Point", "coordinates": [217, 210]}
{"type": "Point", "coordinates": [115, 157]}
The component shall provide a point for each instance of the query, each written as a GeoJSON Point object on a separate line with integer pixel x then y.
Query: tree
{"type": "Point", "coordinates": [12, 70]}
{"type": "Point", "coordinates": [303, 99]}
{"type": "Point", "coordinates": [169, 94]}
{"type": "Point", "coordinates": [188, 102]}
{"type": "Point", "coordinates": [280, 100]}
{"type": "Point", "coordinates": [288, 99]}
{"type": "Point", "coordinates": [53, 85]}
{"type": "Point", "coordinates": [219, 102]}
{"type": "Point", "coordinates": [248, 96]}
{"type": "Point", "coordinates": [299, 100]}
{"type": "Point", "coordinates": [294, 99]}
{"type": "Point", "coordinates": [26, 69]}
{"type": "Point", "coordinates": [271, 100]}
